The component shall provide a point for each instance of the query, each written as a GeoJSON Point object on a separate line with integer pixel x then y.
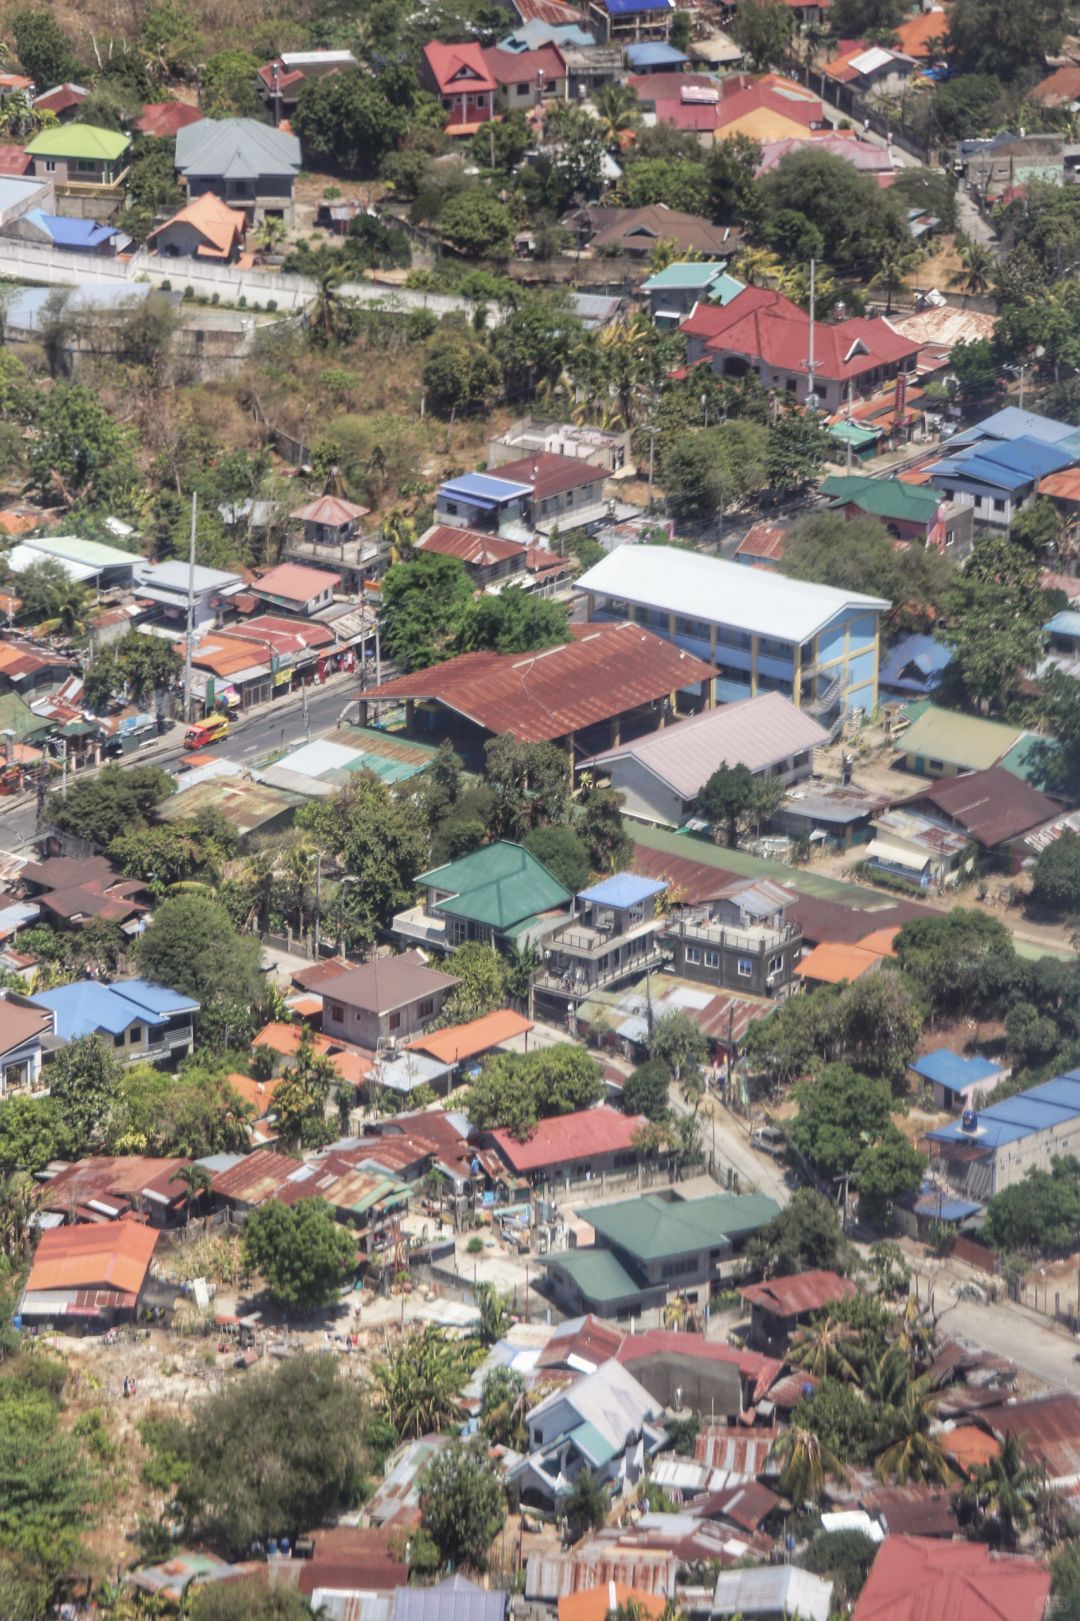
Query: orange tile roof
{"type": "Point", "coordinates": [218, 224]}
{"type": "Point", "coordinates": [227, 657]}
{"type": "Point", "coordinates": [970, 1446]}
{"type": "Point", "coordinates": [914, 34]}
{"type": "Point", "coordinates": [461, 1041]}
{"type": "Point", "coordinates": [258, 1094]}
{"type": "Point", "coordinates": [881, 942]}
{"type": "Point", "coordinates": [597, 1603]}
{"type": "Point", "coordinates": [351, 1065]}
{"type": "Point", "coordinates": [1064, 486]}
{"type": "Point", "coordinates": [113, 1255]}
{"type": "Point", "coordinates": [836, 960]}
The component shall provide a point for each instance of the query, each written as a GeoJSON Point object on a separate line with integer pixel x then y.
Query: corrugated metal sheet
{"type": "Point", "coordinates": [551, 1576]}
{"type": "Point", "coordinates": [746, 1452]}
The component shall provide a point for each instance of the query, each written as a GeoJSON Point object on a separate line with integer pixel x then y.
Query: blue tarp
{"type": "Point", "coordinates": [481, 489]}
{"type": "Point", "coordinates": [624, 889]}
{"type": "Point", "coordinates": [72, 233]}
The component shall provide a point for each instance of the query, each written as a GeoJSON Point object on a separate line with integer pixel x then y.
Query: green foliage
{"type": "Point", "coordinates": [136, 666]}
{"type": "Point", "coordinates": [991, 37]}
{"type": "Point", "coordinates": [1056, 880]}
{"type": "Point", "coordinates": [855, 217]}
{"type": "Point", "coordinates": [115, 801]}
{"type": "Point", "coordinates": [529, 785]}
{"type": "Point", "coordinates": [797, 448]}
{"type": "Point", "coordinates": [347, 119]}
{"type": "Point", "coordinates": [841, 1418]}
{"type": "Point", "coordinates": [82, 455]}
{"type": "Point", "coordinates": [300, 1250]}
{"type": "Point", "coordinates": [227, 85]}
{"type": "Point", "coordinates": [805, 1236]}
{"type": "Point", "coordinates": [502, 1407]}
{"type": "Point", "coordinates": [1040, 1213]}
{"type": "Point", "coordinates": [961, 961]}
{"type": "Point", "coordinates": [248, 1600]}
{"type": "Point", "coordinates": [460, 374]}
{"type": "Point", "coordinates": [44, 50]}
{"type": "Point", "coordinates": [377, 838]}
{"type": "Point", "coordinates": [844, 1557]}
{"type": "Point", "coordinates": [49, 595]}
{"type": "Point", "coordinates": [575, 142]}
{"type": "Point", "coordinates": [192, 946]}
{"type": "Point", "coordinates": [737, 800]}
{"type": "Point", "coordinates": [33, 1131]}
{"type": "Point", "coordinates": [84, 1081]}
{"type": "Point", "coordinates": [822, 1129]}
{"type": "Point", "coordinates": [586, 1505]}
{"type": "Point", "coordinates": [679, 1043]}
{"type": "Point", "coordinates": [996, 612]}
{"type": "Point", "coordinates": [518, 1089]}
{"type": "Point", "coordinates": [732, 164]}
{"type": "Point", "coordinates": [601, 826]}
{"type": "Point", "coordinates": [858, 554]}
{"type": "Point", "coordinates": [765, 30]}
{"type": "Point", "coordinates": [646, 1090]}
{"type": "Point", "coordinates": [188, 1114]}
{"type": "Point", "coordinates": [706, 472]}
{"type": "Point", "coordinates": [679, 182]}
{"type": "Point", "coordinates": [418, 1382]}
{"type": "Point", "coordinates": [563, 853]}
{"type": "Point", "coordinates": [477, 224]}
{"type": "Point", "coordinates": [46, 1488]}
{"type": "Point", "coordinates": [483, 983]}
{"type": "Point", "coordinates": [462, 1505]}
{"type": "Point", "coordinates": [515, 621]}
{"type": "Point", "coordinates": [272, 1454]}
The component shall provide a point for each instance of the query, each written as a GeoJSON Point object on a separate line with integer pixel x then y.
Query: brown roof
{"type": "Point", "coordinates": [13, 160]}
{"type": "Point", "coordinates": [601, 671]}
{"type": "Point", "coordinates": [387, 983]}
{"type": "Point", "coordinates": [550, 474]}
{"type": "Point", "coordinates": [764, 540]}
{"type": "Point", "coordinates": [367, 1558]}
{"type": "Point", "coordinates": [991, 806]}
{"type": "Point", "coordinates": [64, 872]}
{"type": "Point", "coordinates": [636, 230]}
{"type": "Point", "coordinates": [295, 583]}
{"type": "Point", "coordinates": [221, 227]}
{"type": "Point", "coordinates": [165, 118]}
{"type": "Point", "coordinates": [916, 1510]}
{"type": "Point", "coordinates": [587, 1338]}
{"type": "Point", "coordinates": [747, 1505]}
{"type": "Point", "coordinates": [21, 1024]}
{"type": "Point", "coordinates": [1048, 1428]}
{"type": "Point", "coordinates": [471, 546]}
{"type": "Point", "coordinates": [1060, 88]}
{"type": "Point", "coordinates": [801, 1292]}
{"type": "Point", "coordinates": [330, 510]}
{"type": "Point", "coordinates": [116, 1256]}
{"type": "Point", "coordinates": [315, 977]}
{"type": "Point", "coordinates": [108, 1185]}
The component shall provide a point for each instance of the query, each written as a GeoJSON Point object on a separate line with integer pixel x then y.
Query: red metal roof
{"type": "Point", "coordinates": [522, 67]}
{"type": "Point", "coordinates": [549, 474]}
{"type": "Point", "coordinates": [602, 671]}
{"type": "Point", "coordinates": [115, 1256]}
{"type": "Point", "coordinates": [13, 160]}
{"type": "Point", "coordinates": [164, 118]}
{"type": "Point", "coordinates": [1048, 1428]}
{"type": "Point", "coordinates": [330, 510]}
{"type": "Point", "coordinates": [666, 1342]}
{"type": "Point", "coordinates": [740, 1451]}
{"type": "Point", "coordinates": [801, 1292]}
{"type": "Point", "coordinates": [296, 583]}
{"type": "Point", "coordinates": [916, 1510]}
{"type": "Point", "coordinates": [922, 1579]}
{"type": "Point", "coordinates": [471, 546]}
{"type": "Point", "coordinates": [765, 325]}
{"type": "Point", "coordinates": [569, 1137]}
{"type": "Point", "coordinates": [61, 98]}
{"type": "Point", "coordinates": [458, 69]}
{"type": "Point", "coordinates": [586, 1339]}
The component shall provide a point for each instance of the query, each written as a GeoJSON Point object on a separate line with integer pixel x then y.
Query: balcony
{"type": "Point", "coordinates": [580, 977]}
{"type": "Point", "coordinates": [754, 941]}
{"type": "Point", "coordinates": [416, 924]}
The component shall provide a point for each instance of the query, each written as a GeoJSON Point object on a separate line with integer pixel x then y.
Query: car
{"type": "Point", "coordinates": [769, 1139]}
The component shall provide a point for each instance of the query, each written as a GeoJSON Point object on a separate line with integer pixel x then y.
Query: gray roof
{"type": "Point", "coordinates": [755, 732]}
{"type": "Point", "coordinates": [173, 576]}
{"type": "Point", "coordinates": [610, 1399]}
{"type": "Point", "coordinates": [455, 1599]}
{"type": "Point", "coordinates": [772, 1590]}
{"type": "Point", "coordinates": [236, 149]}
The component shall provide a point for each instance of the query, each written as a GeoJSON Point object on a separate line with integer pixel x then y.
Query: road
{"type": "Point", "coordinates": [255, 734]}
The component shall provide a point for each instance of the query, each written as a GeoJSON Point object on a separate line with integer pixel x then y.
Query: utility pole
{"type": "Point", "coordinates": [190, 611]}
{"type": "Point", "coordinates": [811, 398]}
{"type": "Point", "coordinates": [650, 429]}
{"type": "Point", "coordinates": [318, 900]}
{"type": "Point", "coordinates": [849, 446]}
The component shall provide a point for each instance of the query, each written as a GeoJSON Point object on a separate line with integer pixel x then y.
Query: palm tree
{"type": "Point", "coordinates": [914, 1454]}
{"type": "Point", "coordinates": [978, 267]}
{"type": "Point", "coordinates": [885, 1381]}
{"type": "Point", "coordinates": [666, 252]}
{"type": "Point", "coordinates": [196, 1179]}
{"type": "Point", "coordinates": [898, 260]}
{"type": "Point", "coordinates": [1003, 1493]}
{"type": "Point", "coordinates": [619, 113]}
{"type": "Point", "coordinates": [804, 1461]}
{"type": "Point", "coordinates": [328, 313]}
{"type": "Point", "coordinates": [827, 1348]}
{"type": "Point", "coordinates": [758, 267]}
{"type": "Point", "coordinates": [269, 233]}
{"type": "Point", "coordinates": [494, 1313]}
{"type": "Point", "coordinates": [419, 1382]}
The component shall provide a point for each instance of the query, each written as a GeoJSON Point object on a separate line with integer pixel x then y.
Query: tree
{"type": "Point", "coordinates": [502, 1407]}
{"type": "Point", "coordinates": [477, 224]}
{"type": "Point", "coordinates": [1040, 1213]}
{"type": "Point", "coordinates": [302, 1096]}
{"type": "Point", "coordinates": [227, 85]}
{"type": "Point", "coordinates": [273, 1454]}
{"type": "Point", "coordinates": [913, 1453]}
{"type": "Point", "coordinates": [708, 471]}
{"type": "Point", "coordinates": [482, 983]}
{"type": "Point", "coordinates": [1037, 527]}
{"type": "Point", "coordinates": [196, 1180]}
{"type": "Point", "coordinates": [679, 1043]}
{"type": "Point", "coordinates": [619, 112]}
{"type": "Point", "coordinates": [349, 120]}
{"type": "Point", "coordinates": [796, 451]}
{"type": "Point", "coordinates": [378, 839]}
{"type": "Point", "coordinates": [882, 1020]}
{"type": "Point", "coordinates": [732, 165]}
{"type": "Point", "coordinates": [460, 375]}
{"type": "Point", "coordinates": [601, 826]}
{"type": "Point", "coordinates": [462, 1506]}
{"type": "Point", "coordinates": [501, 143]}
{"type": "Point", "coordinates": [33, 1131]}
{"type": "Point", "coordinates": [977, 266]}
{"type": "Point", "coordinates": [804, 1461]}
{"type": "Point", "coordinates": [841, 1418]}
{"type": "Point", "coordinates": [192, 946]}
{"type": "Point", "coordinates": [1055, 882]}
{"type": "Point", "coordinates": [1001, 1494]}
{"type": "Point", "coordinates": [495, 1319]}
{"type": "Point", "coordinates": [804, 1237]}
{"type": "Point", "coordinates": [963, 960]}
{"type": "Point", "coordinates": [515, 1090]}
{"type": "Point", "coordinates": [764, 29]}
{"type": "Point", "coordinates": [575, 142]}
{"type": "Point", "coordinates": [679, 182]}
{"type": "Point", "coordinates": [515, 621]}
{"type": "Point", "coordinates": [990, 37]}
{"type": "Point", "coordinates": [305, 1257]}
{"type": "Point", "coordinates": [44, 51]}
{"type": "Point", "coordinates": [646, 1090]}
{"type": "Point", "coordinates": [84, 1080]}
{"type": "Point", "coordinates": [51, 599]}
{"type": "Point", "coordinates": [48, 1489]}
{"type": "Point", "coordinates": [822, 1129]}
{"type": "Point", "coordinates": [843, 1556]}
{"type": "Point", "coordinates": [529, 785]}
{"type": "Point", "coordinates": [883, 1171]}
{"type": "Point", "coordinates": [248, 1600]}
{"type": "Point", "coordinates": [563, 853]}
{"type": "Point", "coordinates": [82, 455]}
{"type": "Point", "coordinates": [136, 665]}
{"type": "Point", "coordinates": [189, 1114]}
{"type": "Point", "coordinates": [872, 20]}
{"type": "Point", "coordinates": [996, 612]}
{"type": "Point", "coordinates": [734, 798]}
{"type": "Point", "coordinates": [854, 216]}
{"type": "Point", "coordinates": [586, 1505]}
{"type": "Point", "coordinates": [419, 1380]}
{"type": "Point", "coordinates": [827, 1347]}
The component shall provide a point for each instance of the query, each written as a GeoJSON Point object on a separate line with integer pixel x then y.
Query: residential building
{"type": "Point", "coordinates": [997, 479]}
{"type": "Point", "coordinates": [460, 1044]}
{"type": "Point", "coordinates": [587, 1143]}
{"type": "Point", "coordinates": [604, 1422]}
{"type": "Point", "coordinates": [460, 77]}
{"type": "Point", "coordinates": [620, 21]}
{"type": "Point", "coordinates": [862, 155]}
{"type": "Point", "coordinates": [614, 934]}
{"type": "Point", "coordinates": [89, 562]}
{"type": "Point", "coordinates": [488, 559]}
{"type": "Point", "coordinates": [766, 109]}
{"type": "Point", "coordinates": [916, 849]}
{"type": "Point", "coordinates": [167, 585]}
{"type": "Point", "coordinates": [500, 894]}
{"type": "Point", "coordinates": [19, 195]}
{"type": "Point", "coordinates": [772, 1593]}
{"type": "Point", "coordinates": [779, 1306]}
{"type": "Point", "coordinates": [526, 79]}
{"type": "Point", "coordinates": [814, 644]}
{"type": "Point", "coordinates": [605, 448]}
{"type": "Point", "coordinates": [598, 1603]}
{"type": "Point", "coordinates": [684, 1369]}
{"type": "Point", "coordinates": [925, 35]}
{"type": "Point", "coordinates": [763, 545]}
{"type": "Point", "coordinates": [636, 231]}
{"type": "Point", "coordinates": [991, 808]}
{"type": "Point", "coordinates": [533, 494]}
{"type": "Point", "coordinates": [868, 71]}
{"type": "Point", "coordinates": [296, 589]}
{"type": "Point", "coordinates": [205, 228]}
{"type": "Point", "coordinates": [63, 101]}
{"type": "Point", "coordinates": [674, 292]}
{"type": "Point", "coordinates": [22, 1028]}
{"type": "Point", "coordinates": [958, 1082]}
{"type": "Point", "coordinates": [944, 743]}
{"type": "Point", "coordinates": [329, 520]}
{"type": "Point", "coordinates": [662, 774]}
{"type": "Point", "coordinates": [605, 682]}
{"type": "Point", "coordinates": [81, 160]}
{"type": "Point", "coordinates": [942, 1581]}
{"type": "Point", "coordinates": [68, 891]}
{"type": "Point", "coordinates": [144, 1021]}
{"type": "Point", "coordinates": [528, 36]}
{"type": "Point", "coordinates": [88, 1276]}
{"type": "Point", "coordinates": [995, 1147]}
{"type": "Point", "coordinates": [242, 161]}
{"type": "Point", "coordinates": [163, 120]}
{"type": "Point", "coordinates": [995, 168]}
{"type": "Point", "coordinates": [455, 1598]}
{"type": "Point", "coordinates": [486, 502]}
{"type": "Point", "coordinates": [913, 667]}
{"type": "Point", "coordinates": [761, 331]}
{"type": "Point", "coordinates": [385, 1001]}
{"type": "Point", "coordinates": [116, 1187]}
{"type": "Point", "coordinates": [68, 235]}
{"type": "Point", "coordinates": [910, 512]}
{"type": "Point", "coordinates": [741, 940]}
{"type": "Point", "coordinates": [281, 81]}
{"type": "Point", "coordinates": [652, 1247]}
{"type": "Point", "coordinates": [655, 56]}
{"type": "Point", "coordinates": [842, 962]}
{"type": "Point", "coordinates": [332, 536]}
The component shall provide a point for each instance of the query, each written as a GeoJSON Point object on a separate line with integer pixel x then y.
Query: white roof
{"type": "Point", "coordinates": [173, 577]}
{"type": "Point", "coordinates": [772, 1590]}
{"type": "Point", "coordinates": [721, 593]}
{"type": "Point", "coordinates": [21, 557]}
{"type": "Point", "coordinates": [306, 59]}
{"type": "Point", "coordinates": [611, 1400]}
{"type": "Point", "coordinates": [754, 732]}
{"type": "Point", "coordinates": [876, 57]}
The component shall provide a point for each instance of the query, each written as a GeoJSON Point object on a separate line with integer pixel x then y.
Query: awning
{"type": "Point", "coordinates": [896, 856]}
{"type": "Point", "coordinates": [852, 433]}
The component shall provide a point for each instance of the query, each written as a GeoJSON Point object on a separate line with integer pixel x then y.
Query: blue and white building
{"type": "Point", "coordinates": [816, 645]}
{"type": "Point", "coordinates": [483, 501]}
{"type": "Point", "coordinates": [989, 1149]}
{"type": "Point", "coordinates": [142, 1020]}
{"type": "Point", "coordinates": [996, 465]}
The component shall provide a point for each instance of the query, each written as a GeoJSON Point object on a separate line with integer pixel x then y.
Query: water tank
{"type": "Point", "coordinates": [969, 1120]}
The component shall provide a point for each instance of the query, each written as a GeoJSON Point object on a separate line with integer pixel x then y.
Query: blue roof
{"type": "Point", "coordinates": [624, 889]}
{"type": "Point", "coordinates": [1064, 1090]}
{"type": "Point", "coordinates": [925, 653]}
{"type": "Point", "coordinates": [481, 490]}
{"type": "Point", "coordinates": [952, 1070]}
{"type": "Point", "coordinates": [990, 1133]}
{"type": "Point", "coordinates": [945, 1208]}
{"type": "Point", "coordinates": [88, 1006]}
{"type": "Point", "coordinates": [1012, 423]}
{"type": "Point", "coordinates": [1066, 623]}
{"type": "Point", "coordinates": [1036, 1114]}
{"type": "Point", "coordinates": [153, 998]}
{"type": "Point", "coordinates": [979, 470]}
{"type": "Point", "coordinates": [622, 8]}
{"type": "Point", "coordinates": [654, 54]}
{"type": "Point", "coordinates": [1026, 455]}
{"type": "Point", "coordinates": [71, 233]}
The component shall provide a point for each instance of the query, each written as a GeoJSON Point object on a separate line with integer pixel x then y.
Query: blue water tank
{"type": "Point", "coordinates": [969, 1120]}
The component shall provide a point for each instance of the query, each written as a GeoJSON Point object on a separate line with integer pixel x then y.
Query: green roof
{"type": "Point", "coordinates": [587, 1438]}
{"type": "Point", "coordinates": [1031, 758]}
{"type": "Point", "coordinates": [853, 433]}
{"type": "Point", "coordinates": [883, 497]}
{"type": "Point", "coordinates": [17, 716]}
{"type": "Point", "coordinates": [966, 741]}
{"type": "Point", "coordinates": [599, 1275]}
{"type": "Point", "coordinates": [498, 886]}
{"type": "Point", "coordinates": [79, 141]}
{"type": "Point", "coordinates": [653, 1228]}
{"type": "Point", "coordinates": [92, 552]}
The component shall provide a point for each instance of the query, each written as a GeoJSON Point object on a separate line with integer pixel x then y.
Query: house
{"type": "Point", "coordinates": [146, 1022]}
{"type": "Point", "coordinates": [655, 56]}
{"type": "Point", "coordinates": [20, 195]}
{"type": "Point", "coordinates": [454, 1597]}
{"type": "Point", "coordinates": [166, 585]}
{"type": "Point", "coordinates": [386, 1000]}
{"type": "Point", "coordinates": [868, 159]}
{"type": "Point", "coordinates": [1060, 88]}
{"type": "Point", "coordinates": [999, 478]}
{"type": "Point", "coordinates": [117, 1188]}
{"type": "Point", "coordinates": [597, 1603]}
{"type": "Point", "coordinates": [779, 1306]}
{"type": "Point", "coordinates": [762, 546]}
{"type": "Point", "coordinates": [63, 101]}
{"type": "Point", "coordinates": [941, 1581]}
{"type": "Point", "coordinates": [742, 939]}
{"type": "Point", "coordinates": [499, 894]}
{"type": "Point", "coordinates": [684, 1369]}
{"type": "Point", "coordinates": [68, 890]}
{"type": "Point", "coordinates": [620, 21]}
{"type": "Point", "coordinates": [459, 1044]}
{"type": "Point", "coordinates": [605, 1422]}
{"type": "Point", "coordinates": [995, 1147]}
{"type": "Point", "coordinates": [613, 935]}
{"type": "Point", "coordinates": [586, 1142]}
{"type": "Point", "coordinates": [816, 645]}
{"type": "Point", "coordinates": [280, 82]}
{"type": "Point", "coordinates": [22, 1028]}
{"type": "Point", "coordinates": [868, 71]}
{"type": "Point", "coordinates": [958, 1082]}
{"type": "Point", "coordinates": [944, 743]}
{"type": "Point", "coordinates": [604, 682]}
{"type": "Point", "coordinates": [329, 521]}
{"type": "Point", "coordinates": [772, 1593]}
{"type": "Point", "coordinates": [762, 331]}
{"type": "Point", "coordinates": [769, 108]}
{"type": "Point", "coordinates": [661, 775]}
{"type": "Point", "coordinates": [925, 35]}
{"type": "Point", "coordinates": [535, 492]}
{"type": "Point", "coordinates": [652, 1247]}
{"type": "Point", "coordinates": [69, 235]}
{"type": "Point", "coordinates": [486, 502]}
{"type": "Point", "coordinates": [296, 589]}
{"type": "Point", "coordinates": [999, 166]}
{"type": "Point", "coordinates": [488, 559]}
{"type": "Point", "coordinates": [674, 292]}
{"type": "Point", "coordinates": [841, 962]}
{"type": "Point", "coordinates": [460, 77]}
{"type": "Point", "coordinates": [525, 79]}
{"type": "Point", "coordinates": [636, 231]}
{"type": "Point", "coordinates": [89, 1276]}
{"type": "Point", "coordinates": [242, 162]}
{"type": "Point", "coordinates": [605, 448]}
{"type": "Point", "coordinates": [910, 512]}
{"type": "Point", "coordinates": [992, 808]}
{"type": "Point", "coordinates": [916, 848]}
{"type": "Point", "coordinates": [205, 228]}
{"type": "Point", "coordinates": [163, 120]}
{"type": "Point", "coordinates": [80, 158]}
{"type": "Point", "coordinates": [913, 667]}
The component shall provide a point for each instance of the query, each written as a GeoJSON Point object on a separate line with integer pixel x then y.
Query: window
{"type": "Point", "coordinates": [337, 1013]}
{"type": "Point", "coordinates": [85, 166]}
{"type": "Point", "coordinates": [775, 964]}
{"type": "Point", "coordinates": [451, 507]}
{"type": "Point", "coordinates": [523, 89]}
{"type": "Point", "coordinates": [998, 504]}
{"type": "Point", "coordinates": [394, 1021]}
{"type": "Point", "coordinates": [935, 765]}
{"type": "Point", "coordinates": [746, 967]}
{"type": "Point", "coordinates": [118, 1041]}
{"type": "Point", "coordinates": [712, 959]}
{"type": "Point", "coordinates": [569, 498]}
{"type": "Point", "coordinates": [693, 954]}
{"type": "Point", "coordinates": [426, 1009]}
{"type": "Point", "coordinates": [135, 1035]}
{"type": "Point", "coordinates": [50, 165]}
{"type": "Point", "coordinates": [801, 759]}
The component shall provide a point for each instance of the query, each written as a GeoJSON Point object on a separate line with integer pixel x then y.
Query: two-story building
{"type": "Point", "coordinates": [460, 77]}
{"type": "Point", "coordinates": [534, 494]}
{"type": "Point", "coordinates": [144, 1022]}
{"type": "Point", "coordinates": [613, 936]}
{"type": "Point", "coordinates": [489, 560]}
{"type": "Point", "coordinates": [500, 894]}
{"type": "Point", "coordinates": [997, 478]}
{"type": "Point", "coordinates": [816, 645]}
{"type": "Point", "coordinates": [675, 292]}
{"type": "Point", "coordinates": [385, 1001]}
{"type": "Point", "coordinates": [910, 512]}
{"type": "Point", "coordinates": [329, 532]}
{"type": "Point", "coordinates": [526, 79]}
{"type": "Point", "coordinates": [244, 163]}
{"type": "Point", "coordinates": [81, 160]}
{"type": "Point", "coordinates": [167, 585]}
{"type": "Point", "coordinates": [280, 82]}
{"type": "Point", "coordinates": [21, 1030]}
{"type": "Point", "coordinates": [296, 589]}
{"type": "Point", "coordinates": [741, 940]}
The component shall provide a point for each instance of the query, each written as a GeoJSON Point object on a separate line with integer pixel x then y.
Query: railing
{"type": "Point", "coordinates": [576, 982]}
{"type": "Point", "coordinates": [718, 934]}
